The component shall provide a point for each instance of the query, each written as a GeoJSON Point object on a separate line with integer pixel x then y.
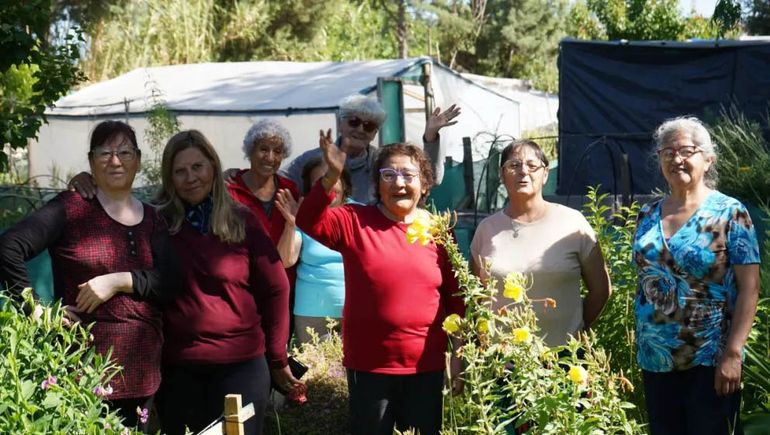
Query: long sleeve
{"type": "Point", "coordinates": [317, 220]}
{"type": "Point", "coordinates": [165, 280]}
{"type": "Point", "coordinates": [437, 156]}
{"type": "Point", "coordinates": [271, 288]}
{"type": "Point", "coordinates": [27, 239]}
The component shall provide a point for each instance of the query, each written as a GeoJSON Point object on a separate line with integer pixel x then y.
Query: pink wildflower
{"type": "Point", "coordinates": [143, 414]}
{"type": "Point", "coordinates": [103, 392]}
{"type": "Point", "coordinates": [46, 384]}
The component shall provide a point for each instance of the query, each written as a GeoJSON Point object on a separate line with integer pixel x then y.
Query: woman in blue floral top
{"type": "Point", "coordinates": [697, 257]}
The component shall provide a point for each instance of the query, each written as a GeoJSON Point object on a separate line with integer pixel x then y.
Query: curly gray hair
{"type": "Point", "coordinates": [265, 128]}
{"type": "Point", "coordinates": [363, 106]}
{"type": "Point", "coordinates": [700, 137]}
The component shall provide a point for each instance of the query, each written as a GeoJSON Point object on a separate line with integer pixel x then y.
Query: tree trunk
{"type": "Point", "coordinates": [402, 32]}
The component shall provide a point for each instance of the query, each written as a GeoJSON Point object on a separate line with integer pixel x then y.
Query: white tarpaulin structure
{"type": "Point", "coordinates": [223, 99]}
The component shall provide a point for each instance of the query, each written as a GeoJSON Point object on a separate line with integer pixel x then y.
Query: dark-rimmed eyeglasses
{"type": "Point", "coordinates": [369, 126]}
{"type": "Point", "coordinates": [103, 155]}
{"type": "Point", "coordinates": [390, 175]}
{"type": "Point", "coordinates": [685, 152]}
{"type": "Point", "coordinates": [518, 166]}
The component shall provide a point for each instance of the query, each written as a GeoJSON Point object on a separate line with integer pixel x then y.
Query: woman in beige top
{"type": "Point", "coordinates": [552, 243]}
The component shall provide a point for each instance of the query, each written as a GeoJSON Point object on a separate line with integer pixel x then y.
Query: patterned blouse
{"type": "Point", "coordinates": [84, 242]}
{"type": "Point", "coordinates": [686, 285]}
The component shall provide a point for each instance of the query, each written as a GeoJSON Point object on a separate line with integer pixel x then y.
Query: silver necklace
{"type": "Point", "coordinates": [515, 228]}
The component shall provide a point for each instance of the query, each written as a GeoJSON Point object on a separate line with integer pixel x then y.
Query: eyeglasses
{"type": "Point", "coordinates": [518, 166]}
{"type": "Point", "coordinates": [685, 152]}
{"type": "Point", "coordinates": [125, 155]}
{"type": "Point", "coordinates": [369, 126]}
{"type": "Point", "coordinates": [390, 175]}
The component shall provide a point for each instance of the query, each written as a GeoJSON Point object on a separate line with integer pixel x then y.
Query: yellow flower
{"type": "Point", "coordinates": [744, 169]}
{"type": "Point", "coordinates": [483, 326]}
{"type": "Point", "coordinates": [513, 291]}
{"type": "Point", "coordinates": [421, 229]}
{"type": "Point", "coordinates": [514, 286]}
{"type": "Point", "coordinates": [578, 375]}
{"type": "Point", "coordinates": [451, 323]}
{"type": "Point", "coordinates": [522, 335]}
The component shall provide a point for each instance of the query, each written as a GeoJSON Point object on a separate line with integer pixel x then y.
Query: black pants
{"type": "Point", "coordinates": [126, 408]}
{"type": "Point", "coordinates": [378, 401]}
{"type": "Point", "coordinates": [193, 396]}
{"type": "Point", "coordinates": [685, 403]}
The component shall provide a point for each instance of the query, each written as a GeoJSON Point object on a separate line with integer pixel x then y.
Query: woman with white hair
{"type": "Point", "coordinates": [271, 197]}
{"type": "Point", "coordinates": [359, 118]}
{"type": "Point", "coordinates": [697, 259]}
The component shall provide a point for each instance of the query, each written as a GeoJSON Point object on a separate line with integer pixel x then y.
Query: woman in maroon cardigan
{"type": "Point", "coordinates": [227, 331]}
{"type": "Point", "coordinates": [110, 262]}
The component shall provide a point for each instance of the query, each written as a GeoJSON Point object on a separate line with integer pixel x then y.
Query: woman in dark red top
{"type": "Point", "coordinates": [231, 322]}
{"type": "Point", "coordinates": [102, 252]}
{"type": "Point", "coordinates": [261, 189]}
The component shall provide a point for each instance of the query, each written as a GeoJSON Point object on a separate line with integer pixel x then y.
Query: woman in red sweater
{"type": "Point", "coordinates": [227, 332]}
{"type": "Point", "coordinates": [396, 294]}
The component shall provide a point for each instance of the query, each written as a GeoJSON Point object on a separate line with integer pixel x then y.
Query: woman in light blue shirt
{"type": "Point", "coordinates": [320, 285]}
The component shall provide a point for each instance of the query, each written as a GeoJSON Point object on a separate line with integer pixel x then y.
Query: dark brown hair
{"type": "Point", "coordinates": [512, 147]}
{"type": "Point", "coordinates": [417, 155]}
{"type": "Point", "coordinates": [311, 165]}
{"type": "Point", "coordinates": [105, 131]}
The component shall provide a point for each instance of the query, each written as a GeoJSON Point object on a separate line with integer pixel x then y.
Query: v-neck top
{"type": "Point", "coordinates": [686, 285]}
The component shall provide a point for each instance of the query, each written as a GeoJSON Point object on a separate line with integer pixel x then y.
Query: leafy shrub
{"type": "Point", "coordinates": [326, 410]}
{"type": "Point", "coordinates": [512, 378]}
{"type": "Point", "coordinates": [615, 328]}
{"type": "Point", "coordinates": [49, 375]}
{"type": "Point", "coordinates": [744, 157]}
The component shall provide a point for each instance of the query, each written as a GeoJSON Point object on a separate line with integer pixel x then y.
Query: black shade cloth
{"type": "Point", "coordinates": [613, 95]}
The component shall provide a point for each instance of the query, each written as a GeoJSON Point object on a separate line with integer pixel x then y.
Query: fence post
{"type": "Point", "coordinates": [233, 423]}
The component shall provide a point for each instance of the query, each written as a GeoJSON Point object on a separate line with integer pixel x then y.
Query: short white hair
{"type": "Point", "coordinates": [266, 128]}
{"type": "Point", "coordinates": [362, 106]}
{"type": "Point", "coordinates": [700, 136]}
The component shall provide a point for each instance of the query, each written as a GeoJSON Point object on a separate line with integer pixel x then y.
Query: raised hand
{"type": "Point", "coordinates": [334, 157]}
{"type": "Point", "coordinates": [438, 120]}
{"type": "Point", "coordinates": [285, 203]}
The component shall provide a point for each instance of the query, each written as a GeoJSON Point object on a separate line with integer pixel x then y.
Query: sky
{"type": "Point", "coordinates": [702, 7]}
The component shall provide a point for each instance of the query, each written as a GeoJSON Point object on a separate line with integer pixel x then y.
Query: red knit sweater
{"type": "Point", "coordinates": [241, 193]}
{"type": "Point", "coordinates": [236, 306]}
{"type": "Point", "coordinates": [397, 294]}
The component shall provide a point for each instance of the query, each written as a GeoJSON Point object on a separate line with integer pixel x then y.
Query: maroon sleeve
{"type": "Point", "coordinates": [165, 280]}
{"type": "Point", "coordinates": [271, 290]}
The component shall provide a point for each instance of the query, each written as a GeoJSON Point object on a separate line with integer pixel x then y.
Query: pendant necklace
{"type": "Point", "coordinates": [515, 229]}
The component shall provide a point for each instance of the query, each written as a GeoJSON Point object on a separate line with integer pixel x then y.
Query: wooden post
{"type": "Point", "coordinates": [233, 423]}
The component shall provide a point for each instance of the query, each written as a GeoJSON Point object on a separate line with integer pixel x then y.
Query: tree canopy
{"type": "Point", "coordinates": [34, 71]}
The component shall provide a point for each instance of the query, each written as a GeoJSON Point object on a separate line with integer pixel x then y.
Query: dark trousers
{"type": "Point", "coordinates": [685, 403]}
{"type": "Point", "coordinates": [193, 396]}
{"type": "Point", "coordinates": [127, 410]}
{"type": "Point", "coordinates": [378, 401]}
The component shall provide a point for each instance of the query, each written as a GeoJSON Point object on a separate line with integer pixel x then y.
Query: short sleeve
{"type": "Point", "coordinates": [587, 241]}
{"type": "Point", "coordinates": [742, 243]}
{"type": "Point", "coordinates": [479, 237]}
